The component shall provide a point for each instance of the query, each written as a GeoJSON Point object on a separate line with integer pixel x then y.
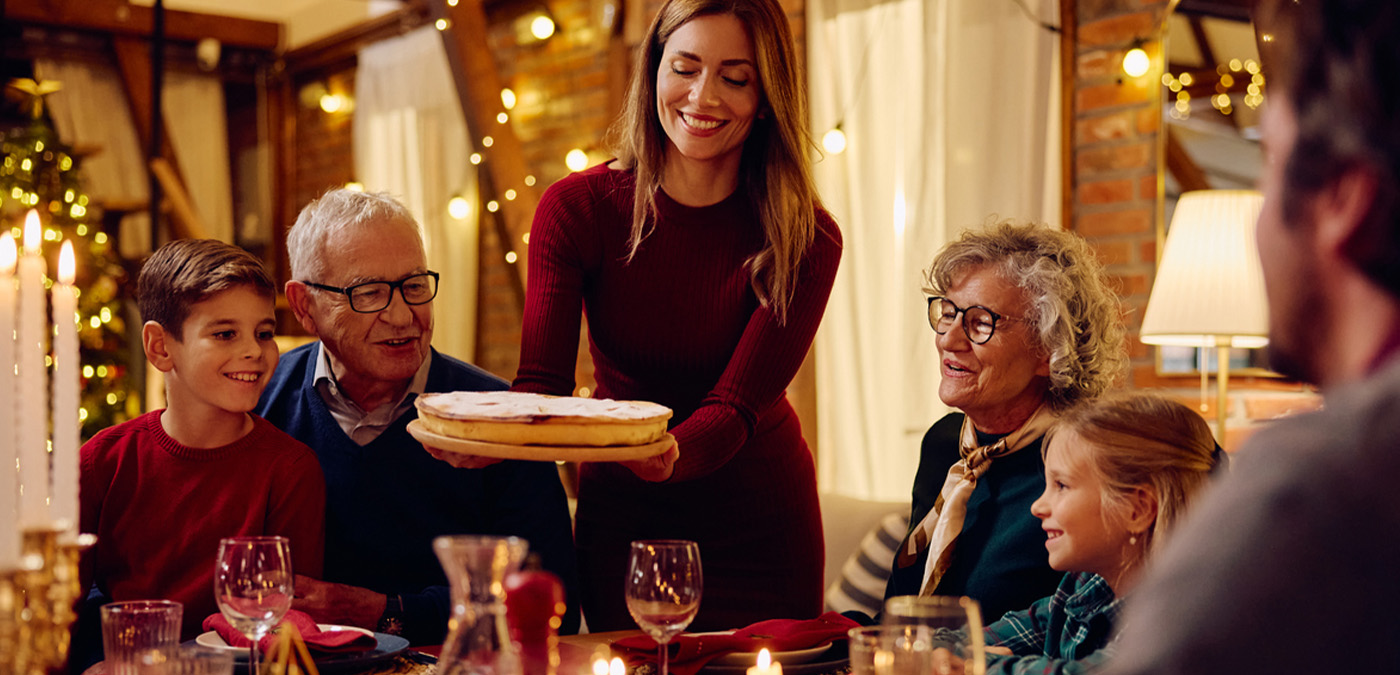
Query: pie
{"type": "Point", "coordinates": [518, 418]}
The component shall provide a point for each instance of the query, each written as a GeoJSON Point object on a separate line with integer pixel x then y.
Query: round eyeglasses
{"type": "Point", "coordinates": [978, 322]}
{"type": "Point", "coordinates": [373, 296]}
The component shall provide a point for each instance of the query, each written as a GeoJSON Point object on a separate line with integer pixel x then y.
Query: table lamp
{"type": "Point", "coordinates": [1209, 290]}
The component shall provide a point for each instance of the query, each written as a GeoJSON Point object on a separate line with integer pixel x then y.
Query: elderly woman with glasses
{"type": "Point", "coordinates": [1026, 326]}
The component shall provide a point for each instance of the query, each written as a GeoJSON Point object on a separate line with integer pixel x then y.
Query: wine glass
{"type": "Point", "coordinates": [663, 589]}
{"type": "Point", "coordinates": [948, 628]}
{"type": "Point", "coordinates": [253, 586]}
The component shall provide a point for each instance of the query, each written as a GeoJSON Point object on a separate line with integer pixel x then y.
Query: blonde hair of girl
{"type": "Point", "coordinates": [1140, 441]}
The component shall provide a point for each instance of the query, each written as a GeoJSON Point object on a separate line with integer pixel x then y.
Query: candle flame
{"type": "Point", "coordinates": [600, 667]}
{"type": "Point", "coordinates": [67, 265]}
{"type": "Point", "coordinates": [617, 667]}
{"type": "Point", "coordinates": [33, 233]}
{"type": "Point", "coordinates": [9, 254]}
{"type": "Point", "coordinates": [765, 660]}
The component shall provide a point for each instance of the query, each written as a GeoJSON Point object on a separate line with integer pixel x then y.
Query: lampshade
{"type": "Point", "coordinates": [1209, 284]}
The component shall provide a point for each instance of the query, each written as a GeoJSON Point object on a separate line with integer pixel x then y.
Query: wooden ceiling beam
{"type": "Point", "coordinates": [1179, 163]}
{"type": "Point", "coordinates": [120, 18]}
{"type": "Point", "coordinates": [134, 64]}
{"type": "Point", "coordinates": [479, 90]}
{"type": "Point", "coordinates": [344, 46]}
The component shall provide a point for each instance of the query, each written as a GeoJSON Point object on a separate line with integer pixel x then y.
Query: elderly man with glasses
{"type": "Point", "coordinates": [360, 284]}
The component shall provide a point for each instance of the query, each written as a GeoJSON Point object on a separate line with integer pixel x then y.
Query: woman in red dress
{"type": "Point", "coordinates": [703, 260]}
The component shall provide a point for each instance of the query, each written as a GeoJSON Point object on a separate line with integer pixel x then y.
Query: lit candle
{"type": "Point", "coordinates": [65, 392]}
{"type": "Point", "coordinates": [616, 667]}
{"type": "Point", "coordinates": [9, 487]}
{"type": "Point", "coordinates": [765, 665]}
{"type": "Point", "coordinates": [32, 387]}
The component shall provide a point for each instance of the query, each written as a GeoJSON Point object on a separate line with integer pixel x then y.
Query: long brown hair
{"type": "Point", "coordinates": [774, 167]}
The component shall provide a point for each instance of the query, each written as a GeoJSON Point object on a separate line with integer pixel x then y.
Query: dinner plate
{"type": "Point", "coordinates": [540, 453]}
{"type": "Point", "coordinates": [386, 647]}
{"type": "Point", "coordinates": [212, 639]}
{"type": "Point", "coordinates": [746, 659]}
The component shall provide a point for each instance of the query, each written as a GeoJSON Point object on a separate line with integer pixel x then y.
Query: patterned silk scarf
{"type": "Point", "coordinates": [939, 530]}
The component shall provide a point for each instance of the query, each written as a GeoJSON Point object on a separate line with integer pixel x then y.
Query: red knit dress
{"type": "Point", "coordinates": [680, 325]}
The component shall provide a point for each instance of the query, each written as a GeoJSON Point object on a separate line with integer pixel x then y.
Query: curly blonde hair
{"type": "Point", "coordinates": [1075, 314]}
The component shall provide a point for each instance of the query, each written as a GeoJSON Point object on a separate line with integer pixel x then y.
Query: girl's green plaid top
{"type": "Point", "coordinates": [1066, 633]}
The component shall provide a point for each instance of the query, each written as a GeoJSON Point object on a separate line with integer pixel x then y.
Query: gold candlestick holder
{"type": "Point", "coordinates": [38, 600]}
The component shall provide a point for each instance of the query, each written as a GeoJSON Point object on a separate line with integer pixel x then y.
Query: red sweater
{"type": "Point", "coordinates": [159, 508]}
{"type": "Point", "coordinates": [680, 325]}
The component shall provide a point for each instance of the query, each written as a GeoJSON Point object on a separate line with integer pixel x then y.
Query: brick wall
{"type": "Point", "coordinates": [324, 156]}
{"type": "Point", "coordinates": [1115, 181]}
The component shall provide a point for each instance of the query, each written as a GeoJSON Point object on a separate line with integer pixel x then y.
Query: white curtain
{"type": "Point", "coordinates": [951, 112]}
{"type": "Point", "coordinates": [194, 111]}
{"type": "Point", "coordinates": [92, 110]}
{"type": "Point", "coordinates": [410, 140]}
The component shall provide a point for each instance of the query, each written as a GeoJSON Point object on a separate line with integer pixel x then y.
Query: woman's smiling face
{"type": "Point", "coordinates": [707, 89]}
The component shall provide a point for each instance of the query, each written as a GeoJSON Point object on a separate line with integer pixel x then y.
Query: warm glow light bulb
{"type": "Point", "coordinates": [441, 24]}
{"type": "Point", "coordinates": [834, 141]}
{"type": "Point", "coordinates": [332, 103]}
{"type": "Point", "coordinates": [576, 160]}
{"type": "Point", "coordinates": [355, 187]}
{"type": "Point", "coordinates": [508, 98]}
{"type": "Point", "coordinates": [458, 208]}
{"type": "Point", "coordinates": [542, 27]}
{"type": "Point", "coordinates": [1136, 63]}
{"type": "Point", "coordinates": [475, 158]}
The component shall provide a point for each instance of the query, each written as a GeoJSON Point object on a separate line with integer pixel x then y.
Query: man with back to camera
{"type": "Point", "coordinates": [1289, 565]}
{"type": "Point", "coordinates": [360, 284]}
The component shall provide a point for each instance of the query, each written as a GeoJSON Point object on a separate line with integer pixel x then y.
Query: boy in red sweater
{"type": "Point", "coordinates": [160, 491]}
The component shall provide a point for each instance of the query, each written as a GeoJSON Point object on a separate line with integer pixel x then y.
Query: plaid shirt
{"type": "Point", "coordinates": [1068, 632]}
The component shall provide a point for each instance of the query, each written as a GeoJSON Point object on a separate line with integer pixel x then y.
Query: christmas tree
{"type": "Point", "coordinates": [37, 171]}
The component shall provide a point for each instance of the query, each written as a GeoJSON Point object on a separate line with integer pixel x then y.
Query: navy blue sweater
{"type": "Point", "coordinates": [386, 501]}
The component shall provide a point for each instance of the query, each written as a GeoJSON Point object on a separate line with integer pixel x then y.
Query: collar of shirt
{"type": "Point", "coordinates": [360, 425]}
{"type": "Point", "coordinates": [1092, 596]}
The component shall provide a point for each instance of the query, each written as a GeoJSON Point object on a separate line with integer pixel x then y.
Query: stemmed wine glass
{"type": "Point", "coordinates": [663, 589]}
{"type": "Point", "coordinates": [253, 586]}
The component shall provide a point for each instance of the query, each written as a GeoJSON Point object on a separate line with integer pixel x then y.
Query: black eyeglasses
{"type": "Point", "coordinates": [373, 296]}
{"type": "Point", "coordinates": [978, 322]}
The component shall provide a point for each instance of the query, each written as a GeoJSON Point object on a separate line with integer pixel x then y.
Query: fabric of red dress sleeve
{"type": "Point", "coordinates": [554, 295]}
{"type": "Point", "coordinates": [766, 360]}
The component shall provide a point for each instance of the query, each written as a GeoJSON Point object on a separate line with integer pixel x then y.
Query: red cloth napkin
{"type": "Point", "coordinates": [318, 641]}
{"type": "Point", "coordinates": [690, 653]}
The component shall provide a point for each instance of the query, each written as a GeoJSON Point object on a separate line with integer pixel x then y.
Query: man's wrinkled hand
{"type": "Point", "coordinates": [338, 603]}
{"type": "Point", "coordinates": [460, 460]}
{"type": "Point", "coordinates": [657, 468]}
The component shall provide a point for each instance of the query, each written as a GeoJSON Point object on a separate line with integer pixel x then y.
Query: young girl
{"type": "Point", "coordinates": [1119, 471]}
